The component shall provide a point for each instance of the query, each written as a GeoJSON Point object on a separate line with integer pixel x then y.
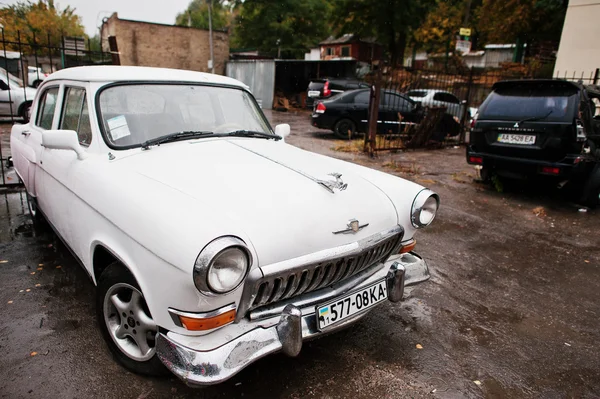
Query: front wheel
{"type": "Point", "coordinates": [126, 323]}
{"type": "Point", "coordinates": [344, 128]}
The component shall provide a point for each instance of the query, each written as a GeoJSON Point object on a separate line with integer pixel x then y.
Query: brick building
{"type": "Point", "coordinates": [167, 46]}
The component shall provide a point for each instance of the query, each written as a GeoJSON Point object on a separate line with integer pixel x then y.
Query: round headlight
{"type": "Point", "coordinates": [424, 208]}
{"type": "Point", "coordinates": [222, 266]}
{"type": "Point", "coordinates": [227, 270]}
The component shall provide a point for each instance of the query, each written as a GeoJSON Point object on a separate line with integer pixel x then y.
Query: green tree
{"type": "Point", "coordinates": [41, 19]}
{"type": "Point", "coordinates": [391, 22]}
{"type": "Point", "coordinates": [288, 27]}
{"type": "Point", "coordinates": [196, 14]}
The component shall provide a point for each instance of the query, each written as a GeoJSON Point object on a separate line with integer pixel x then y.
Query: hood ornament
{"type": "Point", "coordinates": [353, 227]}
{"type": "Point", "coordinates": [516, 126]}
{"type": "Point", "coordinates": [330, 185]}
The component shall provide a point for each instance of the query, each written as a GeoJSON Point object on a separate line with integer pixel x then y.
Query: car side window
{"type": "Point", "coordinates": [397, 102]}
{"type": "Point", "coordinates": [362, 97]}
{"type": "Point", "coordinates": [46, 108]}
{"type": "Point", "coordinates": [75, 115]}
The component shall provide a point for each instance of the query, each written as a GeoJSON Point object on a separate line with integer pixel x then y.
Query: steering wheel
{"type": "Point", "coordinates": [228, 127]}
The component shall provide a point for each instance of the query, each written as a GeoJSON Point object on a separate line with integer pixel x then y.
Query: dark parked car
{"type": "Point", "coordinates": [320, 89]}
{"type": "Point", "coordinates": [349, 112]}
{"type": "Point", "coordinates": [535, 128]}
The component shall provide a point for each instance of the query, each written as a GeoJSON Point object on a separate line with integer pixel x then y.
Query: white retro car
{"type": "Point", "coordinates": [212, 242]}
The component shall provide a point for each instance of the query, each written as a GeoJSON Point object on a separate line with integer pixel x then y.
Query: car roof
{"type": "Point", "coordinates": [113, 73]}
{"type": "Point", "coordinates": [535, 82]}
{"type": "Point", "coordinates": [429, 91]}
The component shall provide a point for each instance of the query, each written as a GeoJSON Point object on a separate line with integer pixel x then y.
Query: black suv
{"type": "Point", "coordinates": [320, 89]}
{"type": "Point", "coordinates": [540, 128]}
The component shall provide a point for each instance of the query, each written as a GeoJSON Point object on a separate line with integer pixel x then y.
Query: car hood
{"type": "Point", "coordinates": [269, 190]}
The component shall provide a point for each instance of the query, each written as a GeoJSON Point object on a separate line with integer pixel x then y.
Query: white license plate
{"type": "Point", "coordinates": [516, 139]}
{"type": "Point", "coordinates": [314, 93]}
{"type": "Point", "coordinates": [351, 304]}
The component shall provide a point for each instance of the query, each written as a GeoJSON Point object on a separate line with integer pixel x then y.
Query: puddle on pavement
{"type": "Point", "coordinates": [15, 221]}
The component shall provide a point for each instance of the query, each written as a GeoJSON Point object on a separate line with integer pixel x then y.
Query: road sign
{"type": "Point", "coordinates": [465, 31]}
{"type": "Point", "coordinates": [74, 46]}
{"type": "Point", "coordinates": [464, 46]}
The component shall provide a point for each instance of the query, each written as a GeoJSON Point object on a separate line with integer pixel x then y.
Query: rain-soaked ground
{"type": "Point", "coordinates": [512, 309]}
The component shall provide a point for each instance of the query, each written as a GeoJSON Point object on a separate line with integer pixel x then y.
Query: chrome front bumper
{"type": "Point", "coordinates": [211, 367]}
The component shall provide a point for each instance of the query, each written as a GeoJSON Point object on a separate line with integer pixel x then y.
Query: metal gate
{"type": "Point", "coordinates": [259, 75]}
{"type": "Point", "coordinates": [24, 64]}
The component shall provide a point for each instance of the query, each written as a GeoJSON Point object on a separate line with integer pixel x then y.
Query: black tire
{"type": "Point", "coordinates": [344, 128]}
{"type": "Point", "coordinates": [37, 84]}
{"type": "Point", "coordinates": [114, 275]}
{"type": "Point", "coordinates": [485, 174]}
{"type": "Point", "coordinates": [25, 111]}
{"type": "Point", "coordinates": [591, 189]}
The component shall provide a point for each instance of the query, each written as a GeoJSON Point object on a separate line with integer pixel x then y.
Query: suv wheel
{"type": "Point", "coordinates": [344, 128]}
{"type": "Point", "coordinates": [591, 189]}
{"type": "Point", "coordinates": [126, 323]}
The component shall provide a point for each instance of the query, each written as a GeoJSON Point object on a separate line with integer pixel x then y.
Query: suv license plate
{"type": "Point", "coordinates": [351, 304]}
{"type": "Point", "coordinates": [314, 93]}
{"type": "Point", "coordinates": [516, 139]}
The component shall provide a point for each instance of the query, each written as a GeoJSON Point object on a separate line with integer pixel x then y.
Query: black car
{"type": "Point", "coordinates": [320, 89]}
{"type": "Point", "coordinates": [348, 113]}
{"type": "Point", "coordinates": [539, 128]}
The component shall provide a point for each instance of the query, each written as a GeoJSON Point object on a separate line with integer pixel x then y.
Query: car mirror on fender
{"type": "Point", "coordinates": [63, 140]}
{"type": "Point", "coordinates": [282, 130]}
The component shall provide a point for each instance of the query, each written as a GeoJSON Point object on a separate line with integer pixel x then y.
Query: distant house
{"type": "Point", "coordinates": [492, 56]}
{"type": "Point", "coordinates": [350, 47]}
{"type": "Point", "coordinates": [579, 49]}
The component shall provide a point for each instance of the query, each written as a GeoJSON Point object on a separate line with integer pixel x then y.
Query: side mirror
{"type": "Point", "coordinates": [63, 140]}
{"type": "Point", "coordinates": [282, 130]}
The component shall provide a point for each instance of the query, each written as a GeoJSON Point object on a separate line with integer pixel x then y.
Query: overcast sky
{"type": "Point", "coordinates": [92, 11]}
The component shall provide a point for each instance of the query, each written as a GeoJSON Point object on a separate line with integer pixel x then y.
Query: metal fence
{"type": "Point", "coordinates": [25, 61]}
{"type": "Point", "coordinates": [448, 102]}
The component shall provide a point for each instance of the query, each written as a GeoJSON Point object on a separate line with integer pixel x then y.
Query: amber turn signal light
{"type": "Point", "coordinates": [195, 324]}
{"type": "Point", "coordinates": [409, 246]}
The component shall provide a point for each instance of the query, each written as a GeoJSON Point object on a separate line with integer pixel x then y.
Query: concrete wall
{"type": "Point", "coordinates": [148, 44]}
{"type": "Point", "coordinates": [579, 50]}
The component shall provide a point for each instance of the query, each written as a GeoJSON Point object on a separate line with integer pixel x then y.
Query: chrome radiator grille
{"type": "Point", "coordinates": [311, 277]}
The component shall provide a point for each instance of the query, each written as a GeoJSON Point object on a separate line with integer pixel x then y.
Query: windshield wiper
{"type": "Point", "coordinates": [534, 118]}
{"type": "Point", "coordinates": [252, 133]}
{"type": "Point", "coordinates": [184, 135]}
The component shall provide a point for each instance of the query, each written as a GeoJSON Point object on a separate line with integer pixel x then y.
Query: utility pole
{"type": "Point", "coordinates": [210, 38]}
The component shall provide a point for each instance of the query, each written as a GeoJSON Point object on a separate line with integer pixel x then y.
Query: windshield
{"type": "Point", "coordinates": [13, 82]}
{"type": "Point", "coordinates": [548, 104]}
{"type": "Point", "coordinates": [134, 114]}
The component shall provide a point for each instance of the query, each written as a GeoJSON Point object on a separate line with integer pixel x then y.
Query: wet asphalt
{"type": "Point", "coordinates": [512, 309]}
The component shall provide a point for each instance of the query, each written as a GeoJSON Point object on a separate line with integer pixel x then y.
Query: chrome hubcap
{"type": "Point", "coordinates": [129, 323]}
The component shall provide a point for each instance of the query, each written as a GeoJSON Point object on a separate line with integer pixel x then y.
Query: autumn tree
{"type": "Point", "coordinates": [391, 22]}
{"type": "Point", "coordinates": [441, 26]}
{"type": "Point", "coordinates": [508, 21]}
{"type": "Point", "coordinates": [41, 19]}
{"type": "Point", "coordinates": [196, 14]}
{"type": "Point", "coordinates": [287, 27]}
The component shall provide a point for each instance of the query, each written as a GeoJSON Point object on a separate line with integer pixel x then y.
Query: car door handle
{"type": "Point", "coordinates": [25, 133]}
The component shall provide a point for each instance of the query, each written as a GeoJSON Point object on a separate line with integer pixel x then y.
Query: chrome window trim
{"type": "Point", "coordinates": [174, 313]}
{"type": "Point", "coordinates": [205, 258]}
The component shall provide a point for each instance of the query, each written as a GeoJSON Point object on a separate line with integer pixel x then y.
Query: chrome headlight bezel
{"type": "Point", "coordinates": [206, 258]}
{"type": "Point", "coordinates": [419, 204]}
